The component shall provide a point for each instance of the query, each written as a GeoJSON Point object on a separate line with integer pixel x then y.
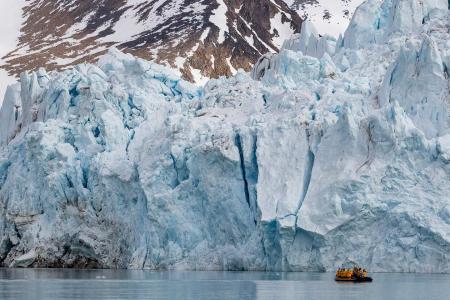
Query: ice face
{"type": "Point", "coordinates": [419, 83]}
{"type": "Point", "coordinates": [317, 158]}
{"type": "Point", "coordinates": [377, 21]}
{"type": "Point", "coordinates": [310, 43]}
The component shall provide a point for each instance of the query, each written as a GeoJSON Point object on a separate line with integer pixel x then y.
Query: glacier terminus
{"type": "Point", "coordinates": [331, 150]}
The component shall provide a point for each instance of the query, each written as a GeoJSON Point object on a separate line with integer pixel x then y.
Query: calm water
{"type": "Point", "coordinates": [106, 284]}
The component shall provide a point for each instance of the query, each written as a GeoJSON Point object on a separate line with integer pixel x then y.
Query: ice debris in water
{"type": "Point", "coordinates": [330, 151]}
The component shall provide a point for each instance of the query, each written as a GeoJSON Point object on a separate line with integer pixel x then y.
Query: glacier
{"type": "Point", "coordinates": [329, 151]}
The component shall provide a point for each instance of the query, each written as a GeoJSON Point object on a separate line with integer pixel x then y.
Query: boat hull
{"type": "Point", "coordinates": [354, 279]}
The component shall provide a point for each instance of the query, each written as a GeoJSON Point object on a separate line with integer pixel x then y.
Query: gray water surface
{"type": "Point", "coordinates": [112, 284]}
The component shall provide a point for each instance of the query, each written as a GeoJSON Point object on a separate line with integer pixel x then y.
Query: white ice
{"type": "Point", "coordinates": [335, 153]}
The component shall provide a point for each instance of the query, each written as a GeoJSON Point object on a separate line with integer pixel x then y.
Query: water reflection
{"type": "Point", "coordinates": [123, 284]}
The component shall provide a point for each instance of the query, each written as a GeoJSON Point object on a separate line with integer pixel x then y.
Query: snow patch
{"type": "Point", "coordinates": [219, 18]}
{"type": "Point", "coordinates": [282, 31]}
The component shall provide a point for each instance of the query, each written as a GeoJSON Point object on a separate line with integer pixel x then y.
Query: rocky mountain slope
{"type": "Point", "coordinates": [202, 39]}
{"type": "Point", "coordinates": [328, 152]}
{"type": "Point", "coordinates": [185, 35]}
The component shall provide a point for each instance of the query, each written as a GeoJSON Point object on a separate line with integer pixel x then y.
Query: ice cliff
{"type": "Point", "coordinates": [330, 151]}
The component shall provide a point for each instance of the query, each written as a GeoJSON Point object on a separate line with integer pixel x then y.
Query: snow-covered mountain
{"type": "Point", "coordinates": [330, 151]}
{"type": "Point", "coordinates": [202, 39]}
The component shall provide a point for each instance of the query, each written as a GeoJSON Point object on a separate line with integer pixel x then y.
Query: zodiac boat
{"type": "Point", "coordinates": [355, 274]}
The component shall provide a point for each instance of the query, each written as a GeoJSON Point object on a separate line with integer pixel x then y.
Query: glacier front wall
{"type": "Point", "coordinates": [336, 154]}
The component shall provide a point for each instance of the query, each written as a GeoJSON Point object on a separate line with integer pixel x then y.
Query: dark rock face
{"type": "Point", "coordinates": [214, 36]}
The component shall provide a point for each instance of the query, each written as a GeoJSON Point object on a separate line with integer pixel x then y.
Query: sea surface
{"type": "Point", "coordinates": [112, 284]}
